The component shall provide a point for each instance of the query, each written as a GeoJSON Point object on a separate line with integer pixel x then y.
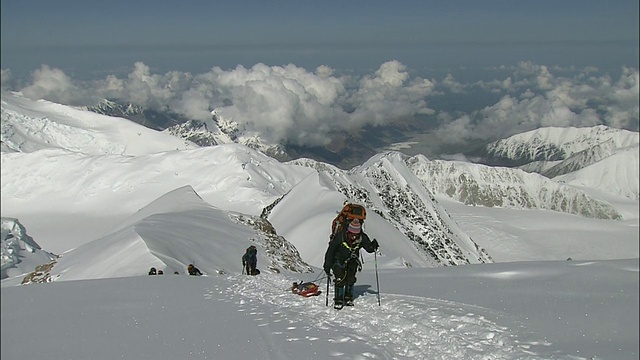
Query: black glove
{"type": "Point", "coordinates": [375, 245]}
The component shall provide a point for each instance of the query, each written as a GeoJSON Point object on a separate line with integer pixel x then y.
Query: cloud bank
{"type": "Point", "coordinates": [289, 104]}
{"type": "Point", "coordinates": [533, 97]}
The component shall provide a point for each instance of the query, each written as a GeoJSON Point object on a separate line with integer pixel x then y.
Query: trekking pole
{"type": "Point", "coordinates": [375, 257]}
{"type": "Point", "coordinates": [326, 300]}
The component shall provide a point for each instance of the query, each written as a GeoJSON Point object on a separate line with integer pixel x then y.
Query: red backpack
{"type": "Point", "coordinates": [349, 213]}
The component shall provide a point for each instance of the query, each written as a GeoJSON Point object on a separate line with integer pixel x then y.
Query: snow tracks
{"type": "Point", "coordinates": [402, 327]}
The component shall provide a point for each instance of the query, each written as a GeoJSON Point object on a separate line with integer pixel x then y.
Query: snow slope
{"type": "Point", "coordinates": [616, 174]}
{"type": "Point", "coordinates": [534, 310]}
{"type": "Point", "coordinates": [28, 126]}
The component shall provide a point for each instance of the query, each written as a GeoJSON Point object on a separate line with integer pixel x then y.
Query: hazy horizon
{"type": "Point", "coordinates": [88, 40]}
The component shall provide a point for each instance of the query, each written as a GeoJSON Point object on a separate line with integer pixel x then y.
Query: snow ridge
{"type": "Point", "coordinates": [553, 143]}
{"type": "Point", "coordinates": [584, 158]}
{"type": "Point", "coordinates": [113, 108]}
{"type": "Point", "coordinates": [157, 237]}
{"type": "Point", "coordinates": [386, 186]}
{"type": "Point", "coordinates": [481, 185]}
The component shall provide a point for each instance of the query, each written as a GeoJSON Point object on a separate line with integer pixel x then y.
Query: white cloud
{"type": "Point", "coordinates": [510, 116]}
{"type": "Point", "coordinates": [53, 84]}
{"type": "Point", "coordinates": [286, 103]}
{"type": "Point", "coordinates": [388, 96]}
{"type": "Point", "coordinates": [457, 131]}
{"type": "Point", "coordinates": [293, 105]}
{"type": "Point", "coordinates": [537, 98]}
{"type": "Point", "coordinates": [623, 111]}
{"type": "Point", "coordinates": [151, 90]}
{"type": "Point", "coordinates": [453, 85]}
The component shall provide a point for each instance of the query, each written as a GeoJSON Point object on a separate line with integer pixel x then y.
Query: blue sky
{"type": "Point", "coordinates": [88, 39]}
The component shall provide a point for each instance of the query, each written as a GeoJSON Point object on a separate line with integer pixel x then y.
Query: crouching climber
{"type": "Point", "coordinates": [192, 270]}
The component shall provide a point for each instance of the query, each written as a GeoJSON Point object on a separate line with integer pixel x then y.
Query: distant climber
{"type": "Point", "coordinates": [192, 270]}
{"type": "Point", "coordinates": [250, 260]}
{"type": "Point", "coordinates": [152, 271]}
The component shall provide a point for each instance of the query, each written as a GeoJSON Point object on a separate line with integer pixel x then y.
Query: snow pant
{"type": "Point", "coordinates": [345, 278]}
{"type": "Point", "coordinates": [343, 292]}
{"type": "Point", "coordinates": [251, 268]}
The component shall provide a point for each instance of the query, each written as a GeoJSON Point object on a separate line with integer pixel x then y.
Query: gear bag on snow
{"type": "Point", "coordinates": [306, 289]}
{"type": "Point", "coordinates": [349, 213]}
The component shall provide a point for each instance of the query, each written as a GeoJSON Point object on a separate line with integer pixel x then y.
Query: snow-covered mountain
{"type": "Point", "coordinates": [553, 143]}
{"type": "Point", "coordinates": [550, 151]}
{"type": "Point", "coordinates": [154, 237]}
{"type": "Point", "coordinates": [586, 157]}
{"type": "Point", "coordinates": [214, 131]}
{"type": "Point", "coordinates": [116, 109]}
{"type": "Point", "coordinates": [28, 126]}
{"type": "Point", "coordinates": [233, 178]}
{"type": "Point", "coordinates": [219, 130]}
{"type": "Point", "coordinates": [156, 120]}
{"type": "Point", "coordinates": [481, 185]}
{"type": "Point", "coordinates": [112, 199]}
{"type": "Point", "coordinates": [554, 152]}
{"type": "Point", "coordinates": [73, 163]}
{"type": "Point", "coordinates": [345, 149]}
{"type": "Point", "coordinates": [396, 200]}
